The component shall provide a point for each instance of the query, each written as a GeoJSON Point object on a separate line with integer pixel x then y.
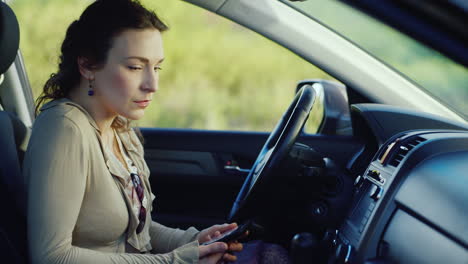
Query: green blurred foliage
{"type": "Point", "coordinates": [217, 74]}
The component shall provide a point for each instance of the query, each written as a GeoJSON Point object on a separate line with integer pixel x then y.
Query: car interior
{"type": "Point", "coordinates": [374, 183]}
{"type": "Point", "coordinates": [13, 141]}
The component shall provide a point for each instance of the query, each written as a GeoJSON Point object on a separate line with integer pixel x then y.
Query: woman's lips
{"type": "Point", "coordinates": [142, 103]}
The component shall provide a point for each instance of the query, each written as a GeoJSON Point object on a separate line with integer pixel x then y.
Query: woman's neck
{"type": "Point", "coordinates": [98, 112]}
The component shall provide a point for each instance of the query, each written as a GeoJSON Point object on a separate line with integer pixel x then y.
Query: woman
{"type": "Point", "coordinates": [89, 198]}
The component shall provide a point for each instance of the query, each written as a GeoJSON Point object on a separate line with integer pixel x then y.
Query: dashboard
{"type": "Point", "coordinates": [411, 203]}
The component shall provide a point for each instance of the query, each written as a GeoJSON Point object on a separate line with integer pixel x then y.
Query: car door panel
{"type": "Point", "coordinates": [188, 176]}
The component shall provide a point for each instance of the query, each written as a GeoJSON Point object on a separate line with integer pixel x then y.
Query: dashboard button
{"type": "Point", "coordinates": [361, 228]}
{"type": "Point", "coordinates": [364, 221]}
{"type": "Point", "coordinates": [375, 174]}
{"type": "Point", "coordinates": [343, 254]}
{"type": "Point", "coordinates": [358, 180]}
{"type": "Point", "coordinates": [368, 213]}
{"type": "Point", "coordinates": [376, 192]}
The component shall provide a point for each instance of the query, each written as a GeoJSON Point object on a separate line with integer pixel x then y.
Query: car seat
{"type": "Point", "coordinates": [13, 238]}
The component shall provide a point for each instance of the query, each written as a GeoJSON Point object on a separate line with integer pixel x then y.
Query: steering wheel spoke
{"type": "Point", "coordinates": [276, 148]}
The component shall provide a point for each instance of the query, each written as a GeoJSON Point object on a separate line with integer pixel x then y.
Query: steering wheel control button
{"type": "Point", "coordinates": [376, 192]}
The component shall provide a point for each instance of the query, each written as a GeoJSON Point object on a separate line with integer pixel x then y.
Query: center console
{"type": "Point", "coordinates": [375, 201]}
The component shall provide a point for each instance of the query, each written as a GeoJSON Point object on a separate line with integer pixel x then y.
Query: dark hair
{"type": "Point", "coordinates": [91, 37]}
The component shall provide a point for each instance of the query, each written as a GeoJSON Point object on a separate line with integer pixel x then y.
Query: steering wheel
{"type": "Point", "coordinates": [277, 146]}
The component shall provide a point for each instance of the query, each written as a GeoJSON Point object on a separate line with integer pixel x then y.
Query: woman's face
{"type": "Point", "coordinates": [126, 83]}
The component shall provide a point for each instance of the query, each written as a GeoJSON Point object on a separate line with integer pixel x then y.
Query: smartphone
{"type": "Point", "coordinates": [234, 234]}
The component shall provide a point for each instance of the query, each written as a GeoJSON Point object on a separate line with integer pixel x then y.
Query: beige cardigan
{"type": "Point", "coordinates": [77, 211]}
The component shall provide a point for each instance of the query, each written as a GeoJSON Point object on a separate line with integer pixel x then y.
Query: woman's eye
{"type": "Point", "coordinates": [157, 68]}
{"type": "Point", "coordinates": [134, 68]}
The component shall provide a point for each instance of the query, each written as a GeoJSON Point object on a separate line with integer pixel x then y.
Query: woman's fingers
{"type": "Point", "coordinates": [235, 246]}
{"type": "Point", "coordinates": [227, 227]}
{"type": "Point", "coordinates": [214, 232]}
{"type": "Point", "coordinates": [217, 247]}
{"type": "Point", "coordinates": [223, 227]}
{"type": "Point", "coordinates": [219, 252]}
{"type": "Point", "coordinates": [229, 257]}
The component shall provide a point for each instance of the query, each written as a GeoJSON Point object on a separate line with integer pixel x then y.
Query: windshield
{"type": "Point", "coordinates": [432, 71]}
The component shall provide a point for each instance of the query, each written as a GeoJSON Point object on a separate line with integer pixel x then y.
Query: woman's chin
{"type": "Point", "coordinates": [135, 115]}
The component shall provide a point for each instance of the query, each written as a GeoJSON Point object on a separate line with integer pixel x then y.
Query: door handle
{"type": "Point", "coordinates": [236, 170]}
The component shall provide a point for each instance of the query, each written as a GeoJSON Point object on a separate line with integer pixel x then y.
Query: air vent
{"type": "Point", "coordinates": [402, 150]}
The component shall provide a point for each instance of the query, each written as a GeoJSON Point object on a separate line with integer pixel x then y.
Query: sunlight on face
{"type": "Point", "coordinates": [126, 83]}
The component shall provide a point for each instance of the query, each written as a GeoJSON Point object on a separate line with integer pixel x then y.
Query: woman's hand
{"type": "Point", "coordinates": [233, 246]}
{"type": "Point", "coordinates": [218, 252]}
{"type": "Point", "coordinates": [212, 253]}
{"type": "Point", "coordinates": [214, 232]}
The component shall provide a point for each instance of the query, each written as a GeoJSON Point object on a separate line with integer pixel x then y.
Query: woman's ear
{"type": "Point", "coordinates": [85, 67]}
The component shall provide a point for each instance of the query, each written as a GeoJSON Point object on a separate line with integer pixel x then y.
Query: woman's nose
{"type": "Point", "coordinates": [150, 83]}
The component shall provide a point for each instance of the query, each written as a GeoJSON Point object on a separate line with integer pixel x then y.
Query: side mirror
{"type": "Point", "coordinates": [330, 114]}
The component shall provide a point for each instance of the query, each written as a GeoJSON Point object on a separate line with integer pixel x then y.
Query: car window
{"type": "Point", "coordinates": [436, 74]}
{"type": "Point", "coordinates": [217, 75]}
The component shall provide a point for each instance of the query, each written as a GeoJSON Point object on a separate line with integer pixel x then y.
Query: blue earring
{"type": "Point", "coordinates": [90, 90]}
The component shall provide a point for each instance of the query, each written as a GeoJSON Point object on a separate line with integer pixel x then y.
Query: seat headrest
{"type": "Point", "coordinates": [9, 37]}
